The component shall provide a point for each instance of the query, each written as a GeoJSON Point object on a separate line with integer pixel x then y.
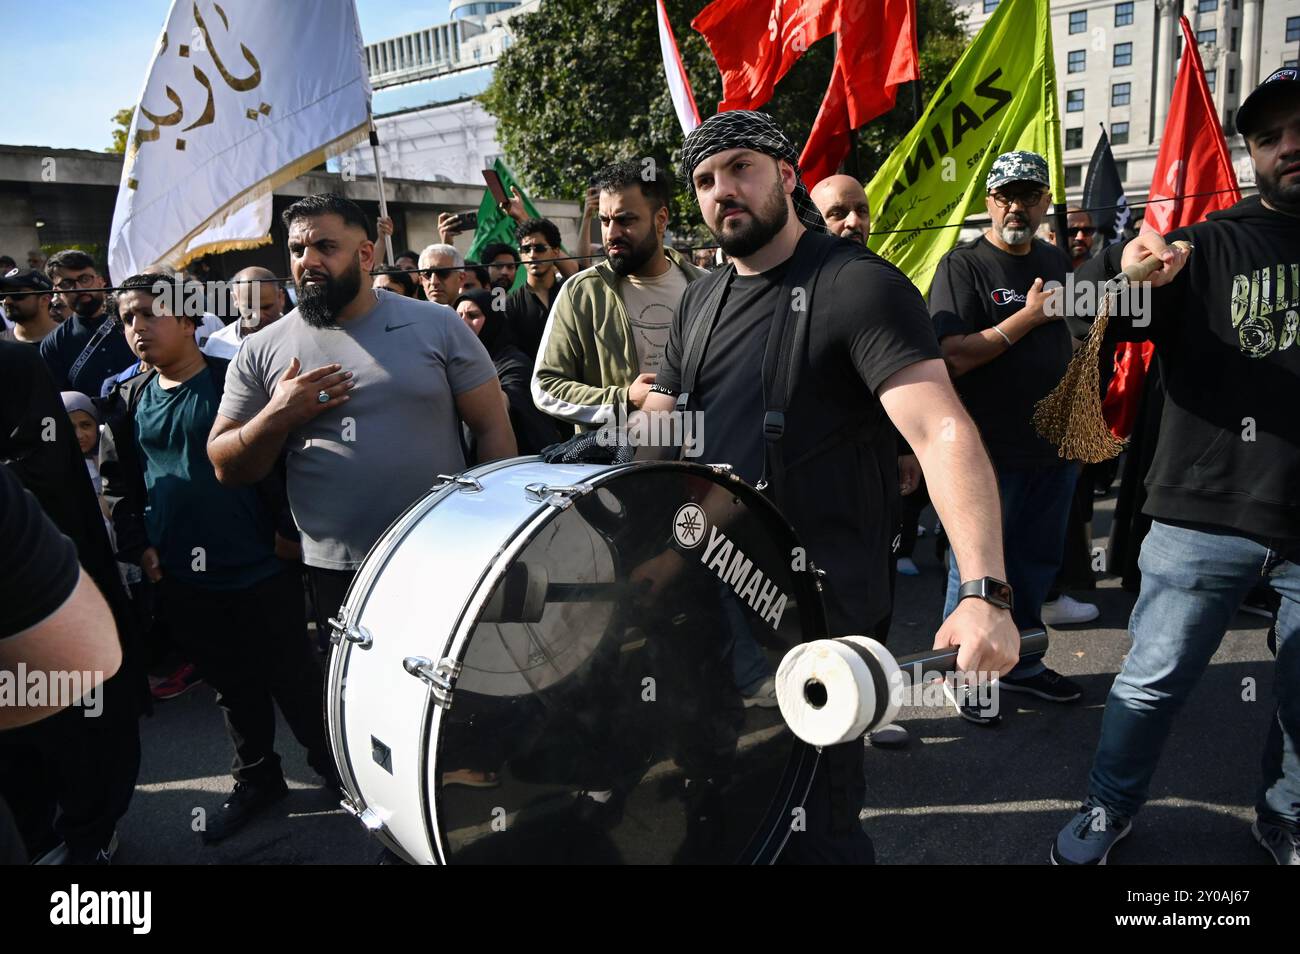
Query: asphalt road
{"type": "Point", "coordinates": [958, 794]}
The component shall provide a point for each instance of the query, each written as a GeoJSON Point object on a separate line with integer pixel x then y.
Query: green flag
{"type": "Point", "coordinates": [999, 97]}
{"type": "Point", "coordinates": [493, 224]}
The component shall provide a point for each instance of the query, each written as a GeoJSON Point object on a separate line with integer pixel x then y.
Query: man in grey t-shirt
{"type": "Point", "coordinates": [363, 389]}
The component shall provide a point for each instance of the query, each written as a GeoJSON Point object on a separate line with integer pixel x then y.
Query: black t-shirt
{"type": "Point", "coordinates": [38, 565]}
{"type": "Point", "coordinates": [867, 322]}
{"type": "Point", "coordinates": [526, 316]}
{"type": "Point", "coordinates": [63, 346]}
{"type": "Point", "coordinates": [976, 286]}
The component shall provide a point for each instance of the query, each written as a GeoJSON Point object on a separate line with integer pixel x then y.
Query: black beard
{"type": "Point", "coordinates": [320, 303]}
{"type": "Point", "coordinates": [764, 225]}
{"type": "Point", "coordinates": [628, 262]}
{"type": "Point", "coordinates": [1280, 197]}
{"type": "Point", "coordinates": [90, 308]}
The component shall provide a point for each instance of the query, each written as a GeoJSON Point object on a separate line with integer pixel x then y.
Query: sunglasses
{"type": "Point", "coordinates": [1085, 229]}
{"type": "Point", "coordinates": [443, 273]}
{"type": "Point", "coordinates": [539, 249]}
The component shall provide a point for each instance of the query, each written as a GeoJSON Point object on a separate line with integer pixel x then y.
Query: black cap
{"type": "Point", "coordinates": [26, 279]}
{"type": "Point", "coordinates": [1281, 84]}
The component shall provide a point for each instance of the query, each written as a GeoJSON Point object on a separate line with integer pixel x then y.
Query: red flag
{"type": "Point", "coordinates": [753, 51]}
{"type": "Point", "coordinates": [1194, 177]}
{"type": "Point", "coordinates": [877, 53]}
{"type": "Point", "coordinates": [1193, 156]}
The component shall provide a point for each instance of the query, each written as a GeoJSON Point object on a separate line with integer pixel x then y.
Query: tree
{"type": "Point", "coordinates": [582, 85]}
{"type": "Point", "coordinates": [122, 120]}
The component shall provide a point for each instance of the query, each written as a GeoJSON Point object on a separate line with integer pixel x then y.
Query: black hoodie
{"type": "Point", "coordinates": [1227, 331]}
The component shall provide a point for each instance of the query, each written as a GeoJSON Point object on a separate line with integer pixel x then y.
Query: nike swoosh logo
{"type": "Point", "coordinates": [395, 327]}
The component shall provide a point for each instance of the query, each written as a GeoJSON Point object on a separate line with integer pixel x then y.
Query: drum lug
{"type": "Point", "coordinates": [341, 630]}
{"type": "Point", "coordinates": [467, 484]}
{"type": "Point", "coordinates": [367, 817]}
{"type": "Point", "coordinates": [818, 575]}
{"type": "Point", "coordinates": [558, 496]}
{"type": "Point", "coordinates": [439, 677]}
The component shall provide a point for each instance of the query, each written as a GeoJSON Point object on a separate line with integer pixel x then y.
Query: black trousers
{"type": "Point", "coordinates": [82, 767]}
{"type": "Point", "coordinates": [328, 590]}
{"type": "Point", "coordinates": [251, 646]}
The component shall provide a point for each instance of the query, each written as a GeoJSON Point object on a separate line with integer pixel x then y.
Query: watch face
{"type": "Point", "coordinates": [997, 590]}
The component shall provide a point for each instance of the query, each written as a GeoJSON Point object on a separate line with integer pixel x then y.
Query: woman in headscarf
{"type": "Point", "coordinates": [533, 429]}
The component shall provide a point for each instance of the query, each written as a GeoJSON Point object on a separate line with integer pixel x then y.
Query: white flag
{"type": "Point", "coordinates": [240, 97]}
{"type": "Point", "coordinates": [679, 85]}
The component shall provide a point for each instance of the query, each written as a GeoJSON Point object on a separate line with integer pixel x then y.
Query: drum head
{"type": "Point", "coordinates": [614, 703]}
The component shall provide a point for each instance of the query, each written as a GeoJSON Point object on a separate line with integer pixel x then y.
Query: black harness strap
{"type": "Point", "coordinates": [787, 341]}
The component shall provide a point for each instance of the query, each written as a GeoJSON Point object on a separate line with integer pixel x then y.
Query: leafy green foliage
{"type": "Point", "coordinates": [582, 85]}
{"type": "Point", "coordinates": [122, 120]}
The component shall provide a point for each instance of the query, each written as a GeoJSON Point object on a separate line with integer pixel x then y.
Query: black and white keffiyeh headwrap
{"type": "Point", "coordinates": [747, 129]}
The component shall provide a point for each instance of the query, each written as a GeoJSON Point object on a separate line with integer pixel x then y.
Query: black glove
{"type": "Point", "coordinates": [586, 448]}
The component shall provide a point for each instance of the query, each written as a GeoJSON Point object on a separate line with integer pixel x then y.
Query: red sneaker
{"type": "Point", "coordinates": [177, 684]}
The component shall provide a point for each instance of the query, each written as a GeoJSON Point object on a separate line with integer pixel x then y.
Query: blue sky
{"type": "Point", "coordinates": [69, 65]}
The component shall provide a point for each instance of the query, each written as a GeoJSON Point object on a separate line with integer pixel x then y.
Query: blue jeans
{"type": "Point", "coordinates": [1193, 581]}
{"type": "Point", "coordinates": [1035, 510]}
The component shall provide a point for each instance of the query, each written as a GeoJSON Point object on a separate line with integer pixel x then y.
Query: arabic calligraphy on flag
{"type": "Point", "coordinates": [240, 97]}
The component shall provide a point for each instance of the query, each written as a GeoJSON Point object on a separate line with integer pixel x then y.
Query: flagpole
{"type": "Point", "coordinates": [379, 184]}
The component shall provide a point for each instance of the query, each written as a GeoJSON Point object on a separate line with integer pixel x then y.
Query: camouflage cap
{"type": "Point", "coordinates": [1018, 167]}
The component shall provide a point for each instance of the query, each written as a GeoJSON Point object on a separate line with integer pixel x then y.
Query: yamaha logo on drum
{"type": "Point", "coordinates": [689, 524]}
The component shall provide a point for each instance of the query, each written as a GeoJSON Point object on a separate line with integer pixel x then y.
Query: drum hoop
{"type": "Point", "coordinates": [525, 533]}
{"type": "Point", "coordinates": [361, 587]}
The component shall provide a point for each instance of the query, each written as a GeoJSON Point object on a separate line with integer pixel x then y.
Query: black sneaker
{"type": "Point", "coordinates": [1282, 843]}
{"type": "Point", "coordinates": [968, 706]}
{"type": "Point", "coordinates": [240, 807]}
{"type": "Point", "coordinates": [1048, 684]}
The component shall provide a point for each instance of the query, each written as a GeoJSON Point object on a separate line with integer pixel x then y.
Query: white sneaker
{"type": "Point", "coordinates": [890, 736]}
{"type": "Point", "coordinates": [1066, 612]}
{"type": "Point", "coordinates": [764, 696]}
{"type": "Point", "coordinates": [907, 567]}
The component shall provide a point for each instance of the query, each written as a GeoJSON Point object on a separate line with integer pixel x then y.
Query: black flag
{"type": "Point", "coordinates": [1104, 192]}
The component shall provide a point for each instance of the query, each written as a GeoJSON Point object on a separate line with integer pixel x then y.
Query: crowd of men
{"type": "Point", "coordinates": [203, 471]}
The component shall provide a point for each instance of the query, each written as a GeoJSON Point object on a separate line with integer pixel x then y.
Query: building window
{"type": "Point", "coordinates": [1232, 81]}
{"type": "Point", "coordinates": [1123, 54]}
{"type": "Point", "coordinates": [1076, 61]}
{"type": "Point", "coordinates": [1073, 177]}
{"type": "Point", "coordinates": [1078, 21]}
{"type": "Point", "coordinates": [1120, 93]}
{"type": "Point", "coordinates": [1074, 138]}
{"type": "Point", "coordinates": [1236, 37]}
{"type": "Point", "coordinates": [1228, 127]}
{"type": "Point", "coordinates": [990, 5]}
{"type": "Point", "coordinates": [1211, 79]}
{"type": "Point", "coordinates": [1118, 134]}
{"type": "Point", "coordinates": [1121, 167]}
{"type": "Point", "coordinates": [1207, 37]}
{"type": "Point", "coordinates": [1291, 64]}
{"type": "Point", "coordinates": [1292, 29]}
{"type": "Point", "coordinates": [1074, 101]}
{"type": "Point", "coordinates": [1206, 6]}
{"type": "Point", "coordinates": [1123, 14]}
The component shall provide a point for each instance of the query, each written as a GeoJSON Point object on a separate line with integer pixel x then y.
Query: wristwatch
{"type": "Point", "coordinates": [989, 590]}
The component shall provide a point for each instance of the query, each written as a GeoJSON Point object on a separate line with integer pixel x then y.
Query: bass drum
{"type": "Point", "coordinates": [554, 663]}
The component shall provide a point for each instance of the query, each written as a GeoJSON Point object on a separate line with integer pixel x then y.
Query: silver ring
{"type": "Point", "coordinates": [323, 397]}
